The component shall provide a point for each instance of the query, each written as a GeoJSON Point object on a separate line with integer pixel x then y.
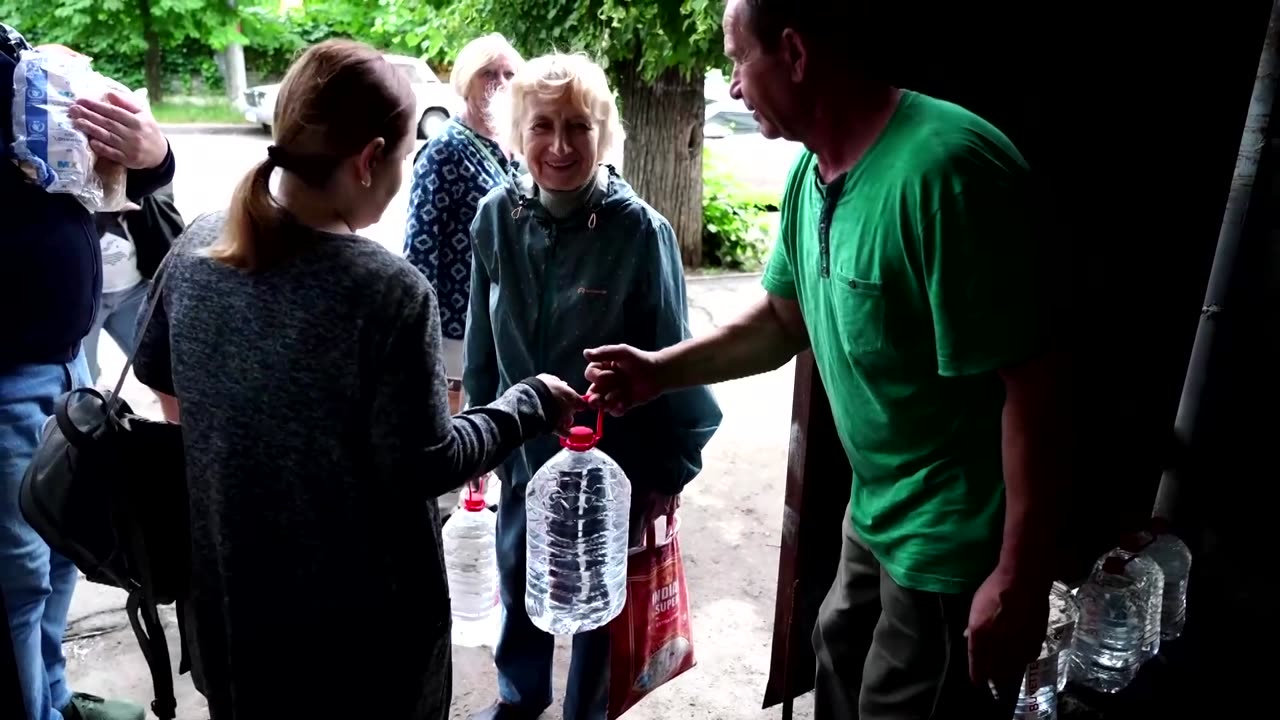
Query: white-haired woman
{"type": "Point", "coordinates": [451, 173]}
{"type": "Point", "coordinates": [568, 260]}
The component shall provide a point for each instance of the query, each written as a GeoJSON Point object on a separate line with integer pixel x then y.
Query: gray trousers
{"type": "Point", "coordinates": [885, 652]}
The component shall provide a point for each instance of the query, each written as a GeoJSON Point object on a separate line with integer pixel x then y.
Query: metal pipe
{"type": "Point", "coordinates": [1216, 309]}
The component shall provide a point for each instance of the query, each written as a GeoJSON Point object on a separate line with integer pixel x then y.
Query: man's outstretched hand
{"type": "Point", "coordinates": [621, 378]}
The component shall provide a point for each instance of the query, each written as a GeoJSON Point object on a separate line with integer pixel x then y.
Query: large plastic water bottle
{"type": "Point", "coordinates": [1174, 559]}
{"type": "Point", "coordinates": [1115, 606]}
{"type": "Point", "coordinates": [471, 561]}
{"type": "Point", "coordinates": [578, 509]}
{"type": "Point", "coordinates": [1136, 544]}
{"type": "Point", "coordinates": [1046, 676]}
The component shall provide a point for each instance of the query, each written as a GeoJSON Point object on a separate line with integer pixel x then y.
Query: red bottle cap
{"type": "Point", "coordinates": [582, 438]}
{"type": "Point", "coordinates": [473, 499]}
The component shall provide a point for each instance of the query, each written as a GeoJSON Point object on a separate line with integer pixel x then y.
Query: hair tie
{"type": "Point", "coordinates": [314, 170]}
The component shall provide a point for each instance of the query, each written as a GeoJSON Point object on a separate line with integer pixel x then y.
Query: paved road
{"type": "Point", "coordinates": [209, 166]}
{"type": "Point", "coordinates": [732, 515]}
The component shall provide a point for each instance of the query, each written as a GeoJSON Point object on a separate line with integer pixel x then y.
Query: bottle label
{"type": "Point", "coordinates": [1042, 672]}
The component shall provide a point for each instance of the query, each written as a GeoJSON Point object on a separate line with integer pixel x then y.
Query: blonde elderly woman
{"type": "Point", "coordinates": [571, 259]}
{"type": "Point", "coordinates": [451, 173]}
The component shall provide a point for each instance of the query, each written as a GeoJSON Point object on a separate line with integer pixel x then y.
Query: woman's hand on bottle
{"type": "Point", "coordinates": [567, 400]}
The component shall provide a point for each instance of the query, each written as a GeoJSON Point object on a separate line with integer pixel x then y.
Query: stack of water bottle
{"type": "Point", "coordinates": [1135, 597]}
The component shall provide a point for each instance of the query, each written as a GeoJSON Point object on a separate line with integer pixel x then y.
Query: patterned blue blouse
{"type": "Point", "coordinates": [450, 177]}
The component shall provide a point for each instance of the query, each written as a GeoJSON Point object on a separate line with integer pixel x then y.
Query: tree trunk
{"type": "Point", "coordinates": [662, 157]}
{"type": "Point", "coordinates": [155, 82]}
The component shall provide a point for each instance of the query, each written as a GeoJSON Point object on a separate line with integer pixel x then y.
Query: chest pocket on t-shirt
{"type": "Point", "coordinates": [858, 306]}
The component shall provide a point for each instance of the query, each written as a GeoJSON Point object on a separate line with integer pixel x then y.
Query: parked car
{"type": "Point", "coordinates": [437, 102]}
{"type": "Point", "coordinates": [729, 117]}
{"type": "Point", "coordinates": [725, 116]}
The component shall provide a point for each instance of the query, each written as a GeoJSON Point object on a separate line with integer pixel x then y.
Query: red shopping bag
{"type": "Point", "coordinates": [651, 642]}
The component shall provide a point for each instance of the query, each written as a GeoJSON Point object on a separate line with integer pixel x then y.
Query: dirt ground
{"type": "Point", "coordinates": [730, 537]}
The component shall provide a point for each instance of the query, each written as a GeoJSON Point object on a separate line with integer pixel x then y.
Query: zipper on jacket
{"type": "Point", "coordinates": [547, 295]}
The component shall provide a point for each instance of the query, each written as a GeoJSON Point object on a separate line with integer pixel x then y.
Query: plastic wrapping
{"type": "Point", "coordinates": [47, 146]}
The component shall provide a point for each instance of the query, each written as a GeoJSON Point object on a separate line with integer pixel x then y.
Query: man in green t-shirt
{"type": "Point", "coordinates": [908, 262]}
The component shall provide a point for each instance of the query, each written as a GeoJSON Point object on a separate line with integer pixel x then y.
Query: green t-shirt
{"type": "Point", "coordinates": [918, 281]}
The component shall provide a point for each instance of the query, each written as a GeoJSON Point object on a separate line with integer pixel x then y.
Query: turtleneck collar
{"type": "Point", "coordinates": [563, 203]}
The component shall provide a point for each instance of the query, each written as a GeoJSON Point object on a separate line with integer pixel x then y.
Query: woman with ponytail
{"type": "Point", "coordinates": [307, 364]}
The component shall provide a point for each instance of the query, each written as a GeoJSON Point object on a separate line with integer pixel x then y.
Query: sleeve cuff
{"type": "Point", "coordinates": [141, 183]}
{"type": "Point", "coordinates": [781, 288]}
{"type": "Point", "coordinates": [950, 365]}
{"type": "Point", "coordinates": [550, 409]}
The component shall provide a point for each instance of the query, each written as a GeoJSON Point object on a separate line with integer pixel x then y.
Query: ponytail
{"type": "Point", "coordinates": [254, 216]}
{"type": "Point", "coordinates": [336, 99]}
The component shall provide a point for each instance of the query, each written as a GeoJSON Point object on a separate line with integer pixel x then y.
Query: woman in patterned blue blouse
{"type": "Point", "coordinates": [451, 174]}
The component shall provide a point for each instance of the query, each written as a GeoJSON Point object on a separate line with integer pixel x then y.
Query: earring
{"type": "Point", "coordinates": [365, 182]}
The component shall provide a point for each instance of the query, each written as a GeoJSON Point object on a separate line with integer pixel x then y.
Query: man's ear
{"type": "Point", "coordinates": [795, 54]}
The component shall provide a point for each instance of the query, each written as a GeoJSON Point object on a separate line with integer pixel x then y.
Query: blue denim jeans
{"type": "Point", "coordinates": [118, 315]}
{"type": "Point", "coordinates": [524, 653]}
{"type": "Point", "coordinates": [37, 582]}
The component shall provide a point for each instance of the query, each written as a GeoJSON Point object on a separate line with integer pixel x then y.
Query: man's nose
{"type": "Point", "coordinates": [735, 87]}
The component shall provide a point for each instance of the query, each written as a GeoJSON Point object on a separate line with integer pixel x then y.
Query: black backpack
{"type": "Point", "coordinates": [107, 489]}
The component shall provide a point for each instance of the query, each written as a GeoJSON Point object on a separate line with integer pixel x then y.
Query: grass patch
{"type": "Point", "coordinates": [706, 272]}
{"type": "Point", "coordinates": [177, 111]}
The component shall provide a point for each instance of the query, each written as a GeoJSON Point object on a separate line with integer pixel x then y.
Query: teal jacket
{"type": "Point", "coordinates": [545, 289]}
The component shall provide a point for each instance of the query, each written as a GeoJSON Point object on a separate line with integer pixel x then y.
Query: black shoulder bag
{"type": "Point", "coordinates": [107, 488]}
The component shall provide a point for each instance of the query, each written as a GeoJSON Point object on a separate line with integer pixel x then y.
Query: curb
{"type": "Point", "coordinates": [722, 276]}
{"type": "Point", "coordinates": [211, 129]}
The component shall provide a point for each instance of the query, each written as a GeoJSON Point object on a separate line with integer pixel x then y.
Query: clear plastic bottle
{"type": "Point", "coordinates": [1136, 544]}
{"type": "Point", "coordinates": [578, 509]}
{"type": "Point", "coordinates": [471, 561]}
{"type": "Point", "coordinates": [1064, 613]}
{"type": "Point", "coordinates": [1115, 606]}
{"type": "Point", "coordinates": [1174, 559]}
{"type": "Point", "coordinates": [1038, 696]}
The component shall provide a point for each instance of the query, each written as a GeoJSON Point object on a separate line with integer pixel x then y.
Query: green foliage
{"type": "Point", "coordinates": [661, 34]}
{"type": "Point", "coordinates": [274, 38]}
{"type": "Point", "coordinates": [189, 32]}
{"type": "Point", "coordinates": [735, 222]}
{"type": "Point", "coordinates": [192, 32]}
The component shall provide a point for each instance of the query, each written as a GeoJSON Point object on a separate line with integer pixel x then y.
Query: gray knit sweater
{"type": "Point", "coordinates": [317, 435]}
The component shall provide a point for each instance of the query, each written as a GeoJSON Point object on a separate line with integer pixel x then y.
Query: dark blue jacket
{"type": "Point", "coordinates": [50, 259]}
{"type": "Point", "coordinates": [450, 176]}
